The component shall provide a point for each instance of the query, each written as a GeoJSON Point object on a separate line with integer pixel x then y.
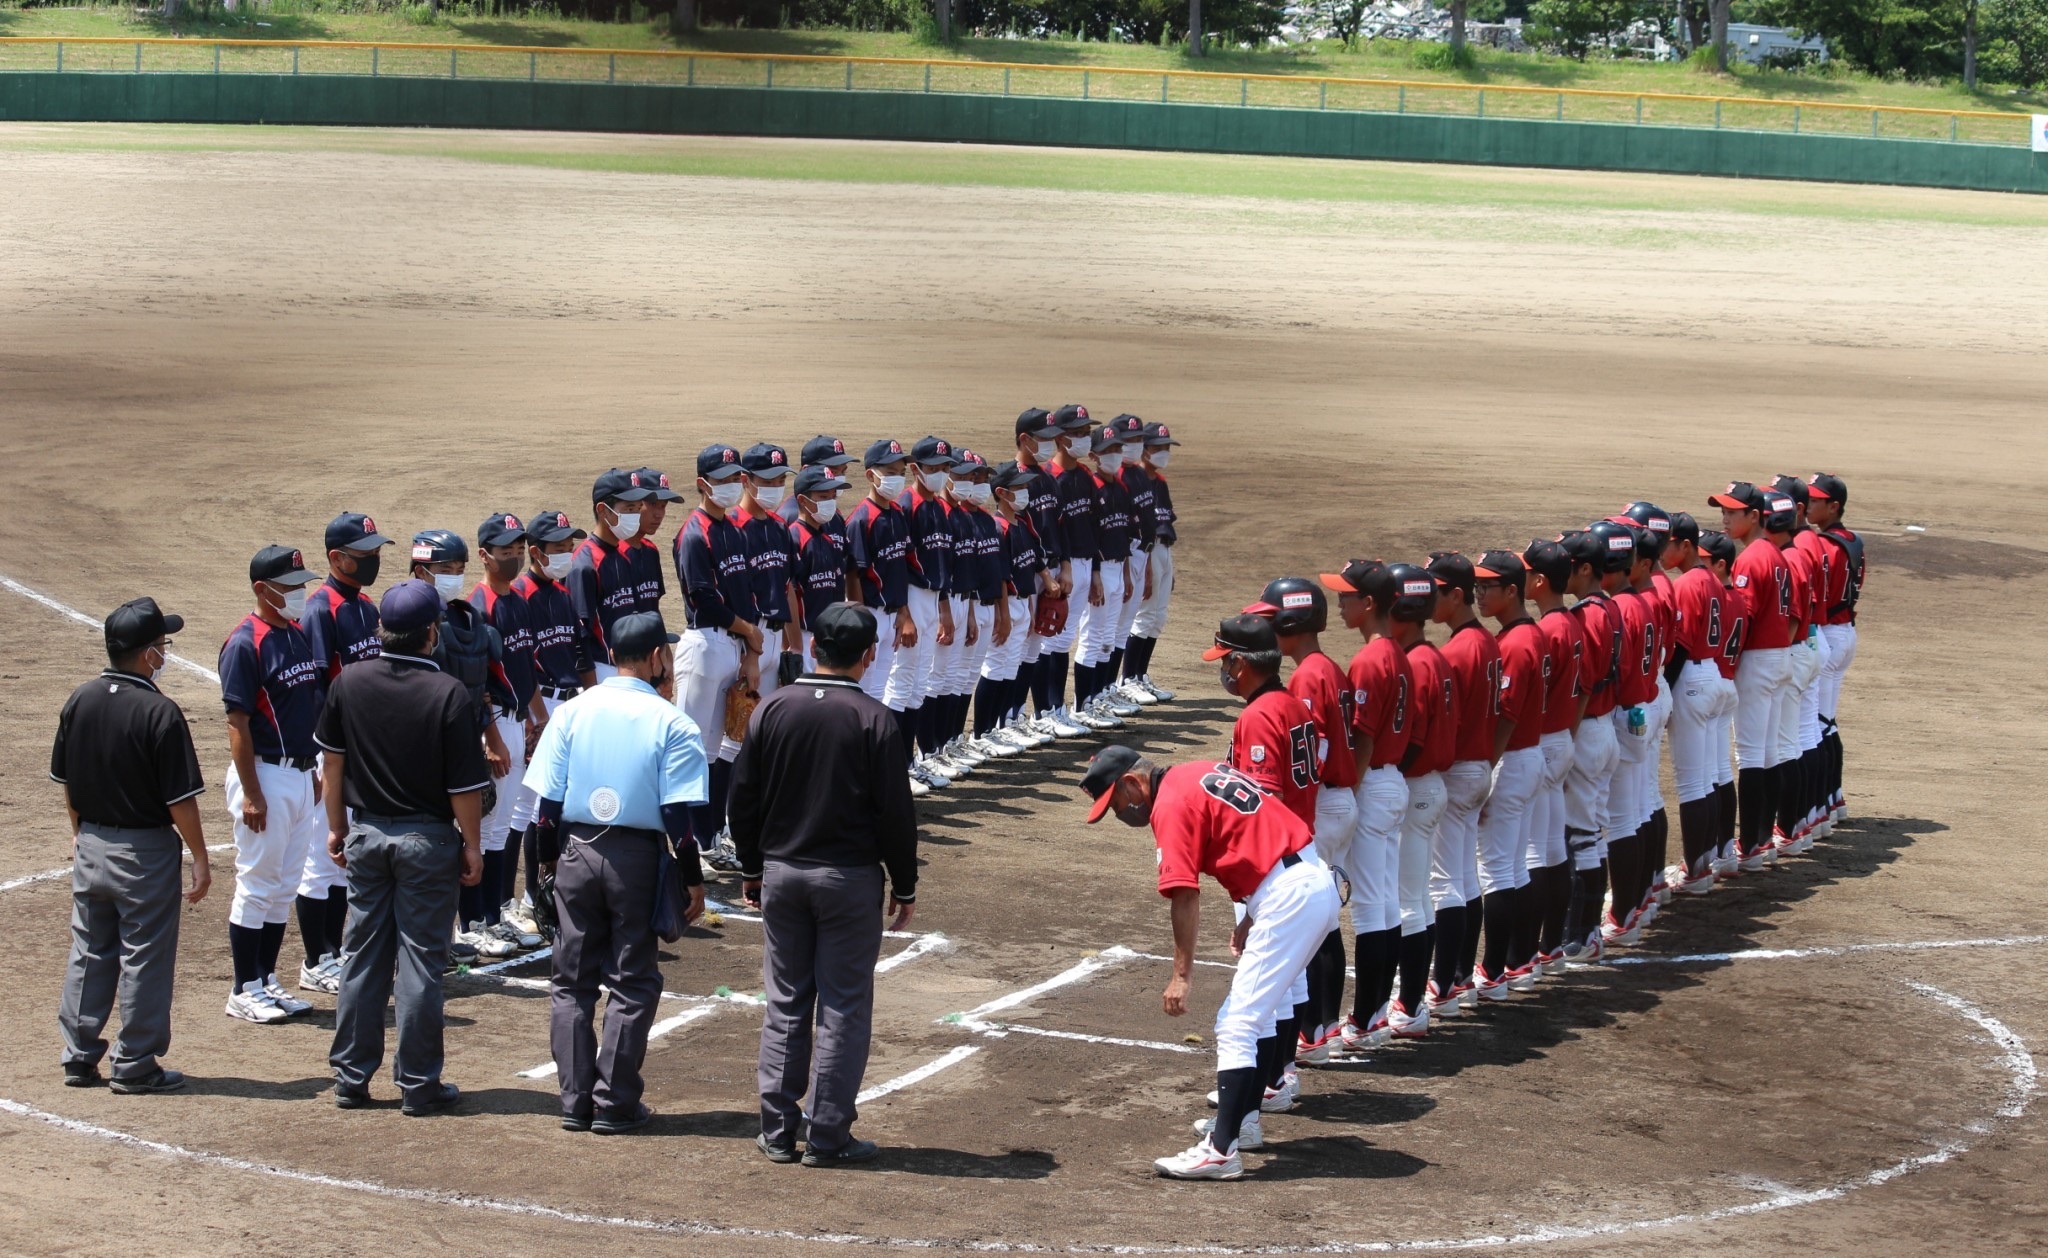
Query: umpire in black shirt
{"type": "Point", "coordinates": [402, 752]}
{"type": "Point", "coordinates": [820, 810]}
{"type": "Point", "coordinates": [131, 780]}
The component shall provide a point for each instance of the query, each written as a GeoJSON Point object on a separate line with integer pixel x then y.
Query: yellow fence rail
{"type": "Point", "coordinates": [103, 55]}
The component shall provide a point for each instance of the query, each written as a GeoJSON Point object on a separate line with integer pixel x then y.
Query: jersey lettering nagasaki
{"type": "Point", "coordinates": [1766, 587]}
{"type": "Point", "coordinates": [1473, 659]}
{"type": "Point", "coordinates": [1382, 692]}
{"type": "Point", "coordinates": [1274, 744]}
{"type": "Point", "coordinates": [1522, 682]}
{"type": "Point", "coordinates": [1211, 819]}
{"type": "Point", "coordinates": [1323, 691]}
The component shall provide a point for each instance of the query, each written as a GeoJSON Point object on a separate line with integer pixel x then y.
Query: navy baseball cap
{"type": "Point", "coordinates": [1684, 528]}
{"type": "Point", "coordinates": [411, 604]}
{"type": "Point", "coordinates": [970, 464]}
{"type": "Point", "coordinates": [1505, 566]}
{"type": "Point", "coordinates": [548, 525]}
{"type": "Point", "coordinates": [849, 628]}
{"type": "Point", "coordinates": [639, 634]}
{"type": "Point", "coordinates": [767, 460]}
{"type": "Point", "coordinates": [439, 546]}
{"type": "Point", "coordinates": [818, 479]}
{"type": "Point", "coordinates": [884, 451]}
{"type": "Point", "coordinates": [1829, 486]}
{"type": "Point", "coordinates": [1549, 560]}
{"type": "Point", "coordinates": [502, 529]}
{"type": "Point", "coordinates": [1246, 632]}
{"type": "Point", "coordinates": [1011, 474]}
{"type": "Point", "coordinates": [1072, 417]}
{"type": "Point", "coordinates": [1129, 426]}
{"type": "Point", "coordinates": [663, 490]}
{"type": "Point", "coordinates": [622, 486]}
{"type": "Point", "coordinates": [1107, 438]}
{"type": "Point", "coordinates": [1037, 424]}
{"type": "Point", "coordinates": [1105, 769]}
{"type": "Point", "coordinates": [137, 623]}
{"type": "Point", "coordinates": [1451, 570]}
{"type": "Point", "coordinates": [1739, 496]}
{"type": "Point", "coordinates": [824, 451]}
{"type": "Point", "coordinates": [352, 530]}
{"type": "Point", "coordinates": [933, 452]}
{"type": "Point", "coordinates": [718, 462]}
{"type": "Point", "coordinates": [1158, 435]}
{"type": "Point", "coordinates": [280, 565]}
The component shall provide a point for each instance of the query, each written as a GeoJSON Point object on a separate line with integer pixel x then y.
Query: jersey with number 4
{"type": "Point", "coordinates": [1766, 585]}
{"type": "Point", "coordinates": [1211, 819]}
{"type": "Point", "coordinates": [1274, 744]}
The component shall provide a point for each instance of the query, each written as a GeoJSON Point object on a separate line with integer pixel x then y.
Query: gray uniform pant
{"type": "Point", "coordinates": [604, 896]}
{"type": "Point", "coordinates": [404, 874]}
{"type": "Point", "coordinates": [124, 938]}
{"type": "Point", "coordinates": [823, 930]}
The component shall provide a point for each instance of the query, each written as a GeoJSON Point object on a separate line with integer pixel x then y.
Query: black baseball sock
{"type": "Point", "coordinates": [337, 920]}
{"type": "Point", "coordinates": [1497, 910]}
{"type": "Point", "coordinates": [1449, 942]}
{"type": "Point", "coordinates": [1468, 953]}
{"type": "Point", "coordinates": [245, 948]}
{"type": "Point", "coordinates": [1273, 1069]}
{"type": "Point", "coordinates": [1330, 1000]}
{"type": "Point", "coordinates": [312, 914]}
{"type": "Point", "coordinates": [1556, 905]}
{"type": "Point", "coordinates": [1415, 954]}
{"type": "Point", "coordinates": [1753, 788]}
{"type": "Point", "coordinates": [1725, 811]}
{"type": "Point", "coordinates": [1788, 807]}
{"type": "Point", "coordinates": [1056, 678]}
{"type": "Point", "coordinates": [1115, 668]}
{"type": "Point", "coordinates": [1696, 836]}
{"type": "Point", "coordinates": [1527, 926]}
{"type": "Point", "coordinates": [273, 943]}
{"type": "Point", "coordinates": [986, 692]}
{"type": "Point", "coordinates": [1039, 681]}
{"type": "Point", "coordinates": [508, 874]}
{"type": "Point", "coordinates": [487, 887]}
{"type": "Point", "coordinates": [1379, 958]}
{"type": "Point", "coordinates": [469, 901]}
{"type": "Point", "coordinates": [1624, 859]}
{"type": "Point", "coordinates": [906, 725]}
{"type": "Point", "coordinates": [1656, 847]}
{"type": "Point", "coordinates": [1238, 1093]}
{"type": "Point", "coordinates": [1589, 886]}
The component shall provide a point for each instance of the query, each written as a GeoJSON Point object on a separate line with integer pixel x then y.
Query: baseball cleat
{"type": "Point", "coordinates": [1363, 1039]}
{"type": "Point", "coordinates": [1489, 986]}
{"type": "Point", "coordinates": [251, 1003]}
{"type": "Point", "coordinates": [1313, 1050]}
{"type": "Point", "coordinates": [1753, 862]}
{"type": "Point", "coordinates": [1615, 934]}
{"type": "Point", "coordinates": [1103, 709]}
{"type": "Point", "coordinates": [1131, 692]}
{"type": "Point", "coordinates": [1065, 724]}
{"type": "Point", "coordinates": [723, 857]}
{"type": "Point", "coordinates": [1250, 1135]}
{"type": "Point", "coordinates": [284, 1000]}
{"type": "Point", "coordinates": [1521, 978]}
{"type": "Point", "coordinates": [323, 976]}
{"type": "Point", "coordinates": [479, 937]}
{"type": "Point", "coordinates": [922, 774]}
{"type": "Point", "coordinates": [516, 914]}
{"type": "Point", "coordinates": [918, 788]}
{"type": "Point", "coordinates": [1159, 692]}
{"type": "Point", "coordinates": [1660, 892]}
{"type": "Point", "coordinates": [1118, 704]}
{"type": "Point", "coordinates": [1553, 961]}
{"type": "Point", "coordinates": [1276, 1100]}
{"type": "Point", "coordinates": [1468, 995]}
{"type": "Point", "coordinates": [1587, 951]}
{"type": "Point", "coordinates": [1441, 1004]}
{"type": "Point", "coordinates": [963, 751]}
{"type": "Point", "coordinates": [1691, 884]}
{"type": "Point", "coordinates": [1201, 1162]}
{"type": "Point", "coordinates": [1405, 1025]}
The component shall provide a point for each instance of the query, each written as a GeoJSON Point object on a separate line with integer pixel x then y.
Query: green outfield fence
{"type": "Point", "coordinates": [387, 84]}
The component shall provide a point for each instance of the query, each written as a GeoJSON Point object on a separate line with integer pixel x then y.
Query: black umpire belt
{"type": "Point", "coordinates": [303, 764]}
{"type": "Point", "coordinates": [559, 692]}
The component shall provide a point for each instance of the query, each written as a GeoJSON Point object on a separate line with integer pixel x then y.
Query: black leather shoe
{"type": "Point", "coordinates": [158, 1080]}
{"type": "Point", "coordinates": [783, 1154]}
{"type": "Point", "coordinates": [440, 1097]}
{"type": "Point", "coordinates": [845, 1155]}
{"type": "Point", "coordinates": [619, 1124]}
{"type": "Point", "coordinates": [575, 1122]}
{"type": "Point", "coordinates": [83, 1074]}
{"type": "Point", "coordinates": [346, 1097]}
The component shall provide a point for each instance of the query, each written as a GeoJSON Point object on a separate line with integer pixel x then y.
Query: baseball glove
{"type": "Point", "coordinates": [789, 668]}
{"type": "Point", "coordinates": [739, 709]}
{"type": "Point", "coordinates": [1051, 616]}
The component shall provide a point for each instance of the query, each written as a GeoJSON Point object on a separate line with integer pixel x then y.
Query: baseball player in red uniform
{"type": "Point", "coordinates": [1428, 745]}
{"type": "Point", "coordinates": [1550, 862]}
{"type": "Point", "coordinates": [1210, 819]}
{"type": "Point", "coordinates": [1763, 675]}
{"type": "Point", "coordinates": [1601, 556]}
{"type": "Point", "coordinates": [1652, 526]}
{"type": "Point", "coordinates": [1630, 904]}
{"type": "Point", "coordinates": [1472, 658]}
{"type": "Point", "coordinates": [1700, 626]}
{"type": "Point", "coordinates": [1717, 555]}
{"type": "Point", "coordinates": [1781, 525]}
{"type": "Point", "coordinates": [1504, 820]}
{"type": "Point", "coordinates": [1808, 811]}
{"type": "Point", "coordinates": [1827, 498]}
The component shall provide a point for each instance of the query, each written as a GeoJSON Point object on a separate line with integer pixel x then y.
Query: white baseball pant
{"type": "Point", "coordinates": [1659, 713]}
{"type": "Point", "coordinates": [1802, 663]}
{"type": "Point", "coordinates": [1504, 820]}
{"type": "Point", "coordinates": [1418, 841]}
{"type": "Point", "coordinates": [1151, 618]}
{"type": "Point", "coordinates": [1068, 638]}
{"type": "Point", "coordinates": [908, 668]}
{"type": "Point", "coordinates": [1546, 814]}
{"type": "Point", "coordinates": [1810, 693]}
{"type": "Point", "coordinates": [1004, 659]}
{"type": "Point", "coordinates": [875, 682]}
{"type": "Point", "coordinates": [1127, 615]}
{"type": "Point", "coordinates": [1595, 759]}
{"type": "Point", "coordinates": [707, 663]}
{"type": "Point", "coordinates": [1096, 637]}
{"type": "Point", "coordinates": [1760, 677]}
{"type": "Point", "coordinates": [945, 658]}
{"type": "Point", "coordinates": [269, 866]}
{"type": "Point", "coordinates": [1382, 797]}
{"type": "Point", "coordinates": [1336, 816]}
{"type": "Point", "coordinates": [503, 817]}
{"type": "Point", "coordinates": [1454, 860]}
{"type": "Point", "coordinates": [318, 874]}
{"type": "Point", "coordinates": [1841, 640]}
{"type": "Point", "coordinates": [1293, 911]}
{"type": "Point", "coordinates": [964, 668]}
{"type": "Point", "coordinates": [1625, 789]}
{"type": "Point", "coordinates": [1695, 707]}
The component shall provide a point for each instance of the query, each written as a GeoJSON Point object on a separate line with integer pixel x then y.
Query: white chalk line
{"type": "Point", "coordinates": [737, 913]}
{"type": "Point", "coordinates": [1075, 973]}
{"type": "Point", "coordinates": [2016, 1058]}
{"type": "Point", "coordinates": [50, 875]}
{"type": "Point", "coordinates": [655, 1032]}
{"type": "Point", "coordinates": [952, 1058]}
{"type": "Point", "coordinates": [90, 623]}
{"type": "Point", "coordinates": [1838, 950]}
{"type": "Point", "coordinates": [997, 1030]}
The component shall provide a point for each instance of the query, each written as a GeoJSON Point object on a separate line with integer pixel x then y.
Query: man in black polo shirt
{"type": "Point", "coordinates": [402, 753]}
{"type": "Point", "coordinates": [821, 814]}
{"type": "Point", "coordinates": [131, 779]}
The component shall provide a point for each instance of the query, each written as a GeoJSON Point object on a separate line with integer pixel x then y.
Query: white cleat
{"type": "Point", "coordinates": [962, 753]}
{"type": "Point", "coordinates": [1441, 1004]}
{"type": "Point", "coordinates": [1615, 935]}
{"type": "Point", "coordinates": [1065, 724]}
{"type": "Point", "coordinates": [1090, 719]}
{"type": "Point", "coordinates": [1362, 1039]}
{"type": "Point", "coordinates": [924, 771]}
{"type": "Point", "coordinates": [1250, 1134]}
{"type": "Point", "coordinates": [1136, 692]}
{"type": "Point", "coordinates": [1409, 1026]}
{"type": "Point", "coordinates": [284, 1000]}
{"type": "Point", "coordinates": [251, 1003]}
{"type": "Point", "coordinates": [1201, 1162]}
{"type": "Point", "coordinates": [479, 937]}
{"type": "Point", "coordinates": [324, 976]}
{"type": "Point", "coordinates": [1118, 704]}
{"type": "Point", "coordinates": [918, 789]}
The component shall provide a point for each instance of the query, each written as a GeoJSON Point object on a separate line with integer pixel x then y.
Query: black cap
{"type": "Point", "coordinates": [411, 604]}
{"type": "Point", "coordinates": [824, 451]}
{"type": "Point", "coordinates": [621, 486]}
{"type": "Point", "coordinates": [637, 635]}
{"type": "Point", "coordinates": [438, 546]}
{"type": "Point", "coordinates": [1779, 513]}
{"type": "Point", "coordinates": [1583, 547]}
{"type": "Point", "coordinates": [718, 462]}
{"type": "Point", "coordinates": [1073, 417]}
{"type": "Point", "coordinates": [884, 451]}
{"type": "Point", "coordinates": [1010, 475]}
{"type": "Point", "coordinates": [280, 565]}
{"type": "Point", "coordinates": [659, 483]}
{"type": "Point", "coordinates": [1503, 565]}
{"type": "Point", "coordinates": [1451, 570]}
{"type": "Point", "coordinates": [1105, 769]}
{"type": "Point", "coordinates": [1157, 435]}
{"type": "Point", "coordinates": [1792, 487]}
{"type": "Point", "coordinates": [1829, 486]}
{"type": "Point", "coordinates": [1128, 426]}
{"type": "Point", "coordinates": [765, 460]}
{"type": "Point", "coordinates": [1037, 424]}
{"type": "Point", "coordinates": [817, 479]}
{"type": "Point", "coordinates": [137, 623]}
{"type": "Point", "coordinates": [1106, 437]}
{"type": "Point", "coordinates": [969, 463]}
{"type": "Point", "coordinates": [1739, 496]}
{"type": "Point", "coordinates": [352, 530]}
{"type": "Point", "coordinates": [848, 628]}
{"type": "Point", "coordinates": [1243, 633]}
{"type": "Point", "coordinates": [933, 452]}
{"type": "Point", "coordinates": [502, 529]}
{"type": "Point", "coordinates": [1715, 544]}
{"type": "Point", "coordinates": [552, 526]}
{"type": "Point", "coordinates": [1683, 527]}
{"type": "Point", "coordinates": [1362, 576]}
{"type": "Point", "coordinates": [1551, 560]}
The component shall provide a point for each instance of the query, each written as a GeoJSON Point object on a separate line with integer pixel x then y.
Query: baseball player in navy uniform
{"type": "Point", "coordinates": [1096, 638]}
{"type": "Point", "coordinates": [1136, 480]}
{"type": "Point", "coordinates": [931, 601]}
{"type": "Point", "coordinates": [722, 646]}
{"type": "Point", "coordinates": [983, 580]}
{"type": "Point", "coordinates": [1074, 539]}
{"type": "Point", "coordinates": [878, 542]}
{"type": "Point", "coordinates": [1038, 447]}
{"type": "Point", "coordinates": [269, 681]}
{"type": "Point", "coordinates": [1006, 676]}
{"type": "Point", "coordinates": [827, 453]}
{"type": "Point", "coordinates": [606, 574]}
{"type": "Point", "coordinates": [502, 542]}
{"type": "Point", "coordinates": [646, 548]}
{"type": "Point", "coordinates": [1150, 620]}
{"type": "Point", "coordinates": [823, 564]}
{"type": "Point", "coordinates": [562, 667]}
{"type": "Point", "coordinates": [952, 683]}
{"type": "Point", "coordinates": [341, 623]}
{"type": "Point", "coordinates": [1827, 498]}
{"type": "Point", "coordinates": [770, 555]}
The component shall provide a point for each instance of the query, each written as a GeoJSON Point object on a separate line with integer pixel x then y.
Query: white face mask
{"type": "Point", "coordinates": [294, 605]}
{"type": "Point", "coordinates": [158, 671]}
{"type": "Point", "coordinates": [1045, 451]}
{"type": "Point", "coordinates": [935, 482]}
{"type": "Point", "coordinates": [447, 584]}
{"type": "Point", "coordinates": [770, 496]}
{"type": "Point", "coordinates": [1160, 459]}
{"type": "Point", "coordinates": [1109, 463]}
{"type": "Point", "coordinates": [557, 566]}
{"type": "Point", "coordinates": [824, 508]}
{"type": "Point", "coordinates": [1020, 499]}
{"type": "Point", "coordinates": [891, 486]}
{"type": "Point", "coordinates": [977, 494]}
{"type": "Point", "coordinates": [628, 526]}
{"type": "Point", "coordinates": [725, 497]}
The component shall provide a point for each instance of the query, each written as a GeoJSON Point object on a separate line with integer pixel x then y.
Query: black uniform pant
{"type": "Point", "coordinates": [823, 931]}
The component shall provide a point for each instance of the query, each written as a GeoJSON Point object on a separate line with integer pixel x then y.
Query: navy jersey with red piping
{"type": "Point", "coordinates": [341, 624]}
{"type": "Point", "coordinates": [651, 583]}
{"type": "Point", "coordinates": [1524, 682]}
{"type": "Point", "coordinates": [1845, 572]}
{"type": "Point", "coordinates": [1636, 661]}
{"type": "Point", "coordinates": [1274, 744]}
{"type": "Point", "coordinates": [1602, 628]}
{"type": "Point", "coordinates": [1211, 819]}
{"type": "Point", "coordinates": [1564, 663]}
{"type": "Point", "coordinates": [878, 544]}
{"type": "Point", "coordinates": [1382, 690]}
{"type": "Point", "coordinates": [1162, 511]}
{"type": "Point", "coordinates": [716, 573]}
{"type": "Point", "coordinates": [1700, 622]}
{"type": "Point", "coordinates": [1138, 486]}
{"type": "Point", "coordinates": [1113, 529]}
{"type": "Point", "coordinates": [834, 528]}
{"type": "Point", "coordinates": [604, 586]}
{"type": "Point", "coordinates": [1074, 491]}
{"type": "Point", "coordinates": [979, 571]}
{"type": "Point", "coordinates": [1472, 658]}
{"type": "Point", "coordinates": [1022, 558]}
{"type": "Point", "coordinates": [819, 574]}
{"type": "Point", "coordinates": [1043, 509]}
{"type": "Point", "coordinates": [1766, 584]}
{"type": "Point", "coordinates": [770, 555]}
{"type": "Point", "coordinates": [1432, 710]}
{"type": "Point", "coordinates": [512, 618]}
{"type": "Point", "coordinates": [1735, 608]}
{"type": "Point", "coordinates": [1321, 687]}
{"type": "Point", "coordinates": [560, 651]}
{"type": "Point", "coordinates": [269, 672]}
{"type": "Point", "coordinates": [931, 539]}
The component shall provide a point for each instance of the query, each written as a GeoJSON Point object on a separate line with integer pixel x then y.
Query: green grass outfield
{"type": "Point", "coordinates": [1384, 59]}
{"type": "Point", "coordinates": [1038, 170]}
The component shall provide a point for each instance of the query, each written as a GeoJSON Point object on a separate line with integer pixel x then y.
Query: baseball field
{"type": "Point", "coordinates": [212, 339]}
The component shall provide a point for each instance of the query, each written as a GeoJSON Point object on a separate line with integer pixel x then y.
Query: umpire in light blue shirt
{"type": "Point", "coordinates": [616, 770]}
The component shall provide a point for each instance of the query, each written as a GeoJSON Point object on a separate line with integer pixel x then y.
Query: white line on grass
{"type": "Point", "coordinates": [919, 1075]}
{"type": "Point", "coordinates": [83, 619]}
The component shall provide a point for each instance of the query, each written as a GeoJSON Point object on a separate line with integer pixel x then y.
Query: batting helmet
{"type": "Point", "coordinates": [1780, 513]}
{"type": "Point", "coordinates": [439, 546]}
{"type": "Point", "coordinates": [1617, 545]}
{"type": "Point", "coordinates": [1298, 605]}
{"type": "Point", "coordinates": [1414, 593]}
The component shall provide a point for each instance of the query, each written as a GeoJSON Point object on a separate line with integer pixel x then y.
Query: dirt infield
{"type": "Point", "coordinates": [203, 351]}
